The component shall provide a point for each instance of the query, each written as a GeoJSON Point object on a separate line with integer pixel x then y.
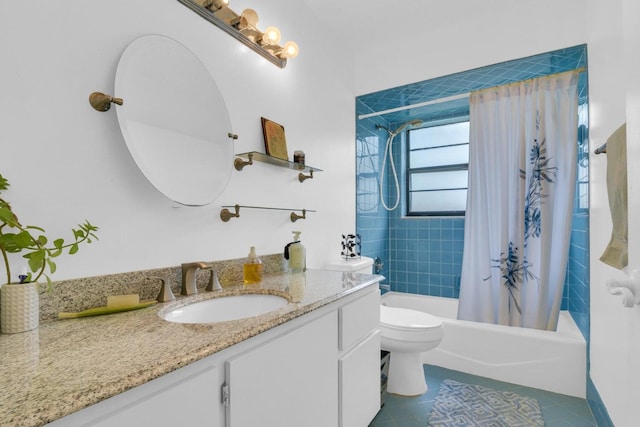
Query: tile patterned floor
{"type": "Point", "coordinates": [558, 410]}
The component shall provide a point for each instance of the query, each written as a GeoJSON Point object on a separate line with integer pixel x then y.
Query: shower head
{"type": "Point", "coordinates": [415, 122]}
{"type": "Point", "coordinates": [403, 126]}
{"type": "Point", "coordinates": [378, 127]}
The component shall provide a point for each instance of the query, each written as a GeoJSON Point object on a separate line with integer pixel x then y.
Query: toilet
{"type": "Point", "coordinates": [404, 333]}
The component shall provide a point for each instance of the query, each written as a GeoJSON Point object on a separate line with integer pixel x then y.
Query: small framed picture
{"type": "Point", "coordinates": [275, 144]}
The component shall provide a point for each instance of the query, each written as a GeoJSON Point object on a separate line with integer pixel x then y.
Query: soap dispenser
{"type": "Point", "coordinates": [252, 268]}
{"type": "Point", "coordinates": [295, 253]}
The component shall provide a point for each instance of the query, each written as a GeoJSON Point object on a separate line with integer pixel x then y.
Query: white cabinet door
{"type": "Point", "coordinates": [187, 397]}
{"type": "Point", "coordinates": [360, 383]}
{"type": "Point", "coordinates": [290, 381]}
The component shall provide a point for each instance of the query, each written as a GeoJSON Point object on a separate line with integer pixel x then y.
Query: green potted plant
{"type": "Point", "coordinates": [19, 301]}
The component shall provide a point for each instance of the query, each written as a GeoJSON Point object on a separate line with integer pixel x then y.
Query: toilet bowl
{"type": "Point", "coordinates": [404, 333]}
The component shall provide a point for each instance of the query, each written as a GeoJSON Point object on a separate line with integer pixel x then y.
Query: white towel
{"type": "Point", "coordinates": [616, 253]}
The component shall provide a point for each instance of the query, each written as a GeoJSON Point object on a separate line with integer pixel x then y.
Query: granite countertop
{"type": "Point", "coordinates": [66, 365]}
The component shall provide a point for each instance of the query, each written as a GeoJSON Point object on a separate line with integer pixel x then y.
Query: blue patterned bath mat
{"type": "Point", "coordinates": [458, 404]}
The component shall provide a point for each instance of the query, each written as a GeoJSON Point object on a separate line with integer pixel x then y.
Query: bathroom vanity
{"type": "Point", "coordinates": [315, 362]}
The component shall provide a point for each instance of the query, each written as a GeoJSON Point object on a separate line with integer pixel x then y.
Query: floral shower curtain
{"type": "Point", "coordinates": [522, 177]}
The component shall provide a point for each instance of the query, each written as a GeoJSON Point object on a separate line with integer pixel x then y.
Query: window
{"type": "Point", "coordinates": [438, 166]}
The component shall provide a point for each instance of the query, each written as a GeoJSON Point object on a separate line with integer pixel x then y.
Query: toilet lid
{"type": "Point", "coordinates": [403, 318]}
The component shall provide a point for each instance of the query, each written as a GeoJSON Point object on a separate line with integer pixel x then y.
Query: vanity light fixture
{"type": "Point", "coordinates": [243, 27]}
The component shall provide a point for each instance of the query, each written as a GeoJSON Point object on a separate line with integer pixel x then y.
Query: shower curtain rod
{"type": "Point", "coordinates": [446, 99]}
{"type": "Point", "coordinates": [420, 104]}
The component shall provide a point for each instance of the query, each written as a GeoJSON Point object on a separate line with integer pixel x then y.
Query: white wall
{"type": "Point", "coordinates": [614, 42]}
{"type": "Point", "coordinates": [67, 162]}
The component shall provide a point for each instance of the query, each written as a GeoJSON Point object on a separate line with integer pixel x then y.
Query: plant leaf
{"type": "Point", "coordinates": [7, 216]}
{"type": "Point", "coordinates": [8, 243]}
{"type": "Point", "coordinates": [73, 249]}
{"type": "Point", "coordinates": [4, 184]}
{"type": "Point", "coordinates": [36, 259]}
{"type": "Point", "coordinates": [34, 227]}
{"type": "Point", "coordinates": [55, 253]}
{"type": "Point", "coordinates": [24, 239]}
{"type": "Point", "coordinates": [42, 240]}
{"type": "Point", "coordinates": [52, 265]}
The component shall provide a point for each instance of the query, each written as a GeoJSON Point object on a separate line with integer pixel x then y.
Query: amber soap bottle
{"type": "Point", "coordinates": [252, 268]}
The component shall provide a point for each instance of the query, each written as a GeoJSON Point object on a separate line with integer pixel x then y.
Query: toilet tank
{"type": "Point", "coordinates": [361, 265]}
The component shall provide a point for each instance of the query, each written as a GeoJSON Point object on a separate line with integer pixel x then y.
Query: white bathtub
{"type": "Point", "coordinates": [553, 361]}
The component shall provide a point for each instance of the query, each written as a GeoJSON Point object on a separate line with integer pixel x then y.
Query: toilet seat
{"type": "Point", "coordinates": [402, 325]}
{"type": "Point", "coordinates": [398, 318]}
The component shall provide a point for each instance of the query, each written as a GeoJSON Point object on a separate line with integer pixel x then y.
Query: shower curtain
{"type": "Point", "coordinates": [522, 177]}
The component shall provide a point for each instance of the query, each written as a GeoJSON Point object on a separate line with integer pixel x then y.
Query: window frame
{"type": "Point", "coordinates": [441, 168]}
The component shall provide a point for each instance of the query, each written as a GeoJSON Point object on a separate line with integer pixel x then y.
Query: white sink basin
{"type": "Point", "coordinates": [221, 309]}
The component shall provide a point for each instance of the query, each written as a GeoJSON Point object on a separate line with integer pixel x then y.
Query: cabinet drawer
{"type": "Point", "coordinates": [358, 318]}
{"type": "Point", "coordinates": [359, 372]}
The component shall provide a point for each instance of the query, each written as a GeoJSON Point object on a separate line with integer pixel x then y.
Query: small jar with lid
{"type": "Point", "coordinates": [298, 157]}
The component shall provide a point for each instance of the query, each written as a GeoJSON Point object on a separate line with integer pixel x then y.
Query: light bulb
{"type": "Point", "coordinates": [215, 4]}
{"type": "Point", "coordinates": [289, 50]}
{"type": "Point", "coordinates": [251, 17]}
{"type": "Point", "coordinates": [271, 36]}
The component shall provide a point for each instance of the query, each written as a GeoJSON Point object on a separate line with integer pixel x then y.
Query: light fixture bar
{"type": "Point", "coordinates": [209, 16]}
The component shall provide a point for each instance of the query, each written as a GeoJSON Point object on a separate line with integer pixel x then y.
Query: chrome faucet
{"type": "Point", "coordinates": [189, 270]}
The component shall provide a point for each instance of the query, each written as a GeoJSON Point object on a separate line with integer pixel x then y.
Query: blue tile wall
{"type": "Point", "coordinates": [576, 288]}
{"type": "Point", "coordinates": [426, 255]}
{"type": "Point", "coordinates": [372, 221]}
{"type": "Point", "coordinates": [576, 292]}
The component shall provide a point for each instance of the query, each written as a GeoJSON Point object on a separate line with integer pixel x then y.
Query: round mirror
{"type": "Point", "coordinates": [174, 120]}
